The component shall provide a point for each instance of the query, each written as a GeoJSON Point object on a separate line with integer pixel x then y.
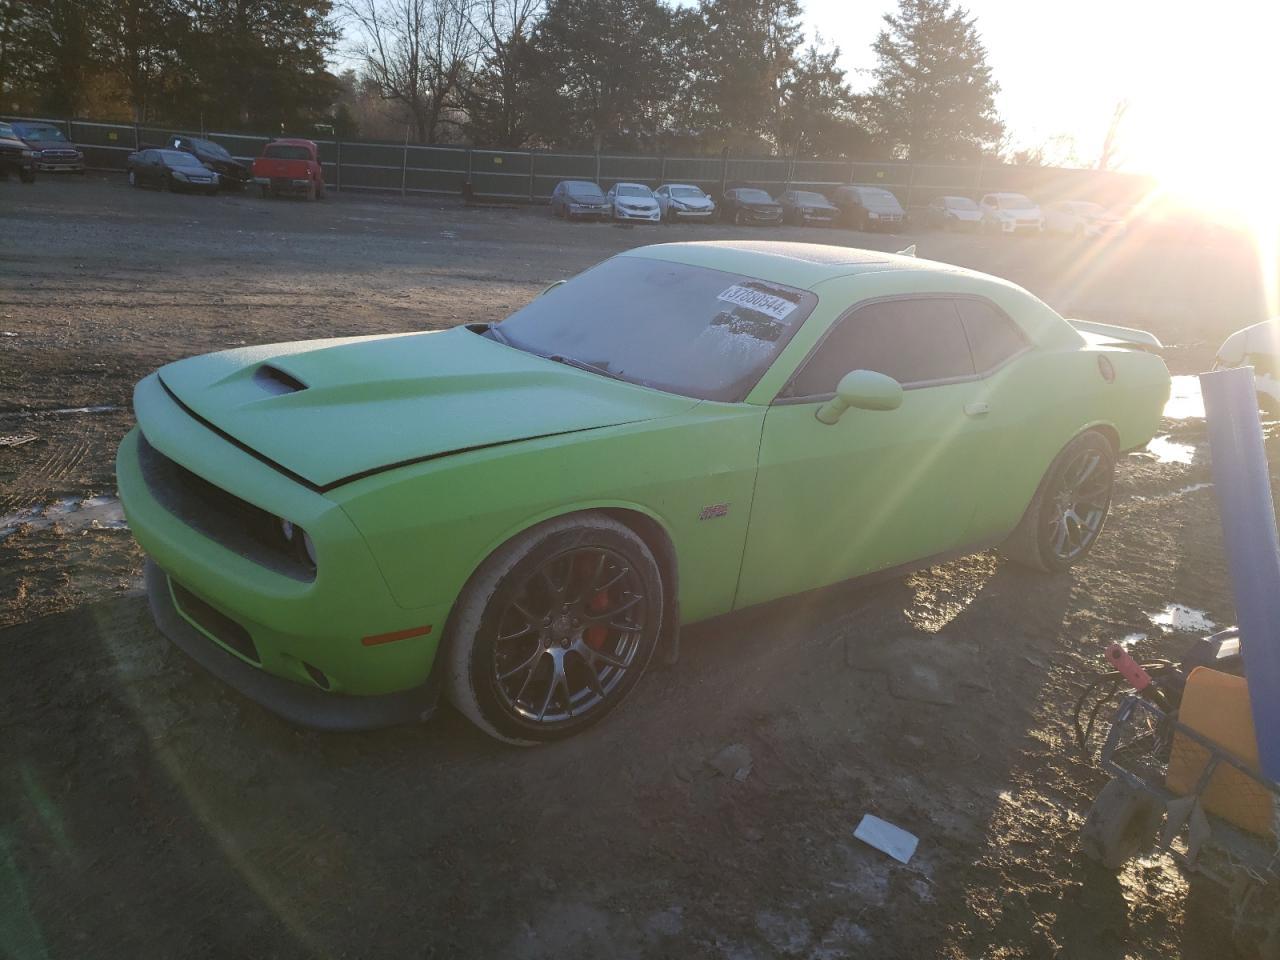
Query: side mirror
{"type": "Point", "coordinates": [864, 389]}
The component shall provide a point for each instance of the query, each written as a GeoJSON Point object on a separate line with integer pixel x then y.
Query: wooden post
{"type": "Point", "coordinates": [337, 176]}
{"type": "Point", "coordinates": [531, 183]}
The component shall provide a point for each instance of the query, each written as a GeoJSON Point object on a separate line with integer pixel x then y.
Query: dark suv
{"type": "Point", "coordinates": [53, 151]}
{"type": "Point", "coordinates": [15, 156]}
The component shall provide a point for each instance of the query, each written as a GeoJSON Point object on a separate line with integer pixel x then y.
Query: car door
{"type": "Point", "coordinates": [147, 167]}
{"type": "Point", "coordinates": [877, 488]}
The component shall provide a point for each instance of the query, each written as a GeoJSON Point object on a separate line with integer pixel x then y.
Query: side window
{"type": "Point", "coordinates": [913, 341]}
{"type": "Point", "coordinates": [993, 337]}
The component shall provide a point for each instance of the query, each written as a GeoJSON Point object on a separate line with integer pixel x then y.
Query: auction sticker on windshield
{"type": "Point", "coordinates": [766, 303]}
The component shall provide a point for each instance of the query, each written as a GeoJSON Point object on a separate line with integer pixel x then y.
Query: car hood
{"type": "Point", "coordinates": [694, 203]}
{"type": "Point", "coordinates": [331, 411]}
{"type": "Point", "coordinates": [636, 202]}
{"type": "Point", "coordinates": [586, 201]}
{"type": "Point", "coordinates": [35, 144]}
{"type": "Point", "coordinates": [760, 205]}
{"type": "Point", "coordinates": [965, 214]}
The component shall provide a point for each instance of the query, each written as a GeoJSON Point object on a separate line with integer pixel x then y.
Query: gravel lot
{"type": "Point", "coordinates": [147, 811]}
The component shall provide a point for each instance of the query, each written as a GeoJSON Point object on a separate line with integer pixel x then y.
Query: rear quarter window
{"type": "Point", "coordinates": [993, 337]}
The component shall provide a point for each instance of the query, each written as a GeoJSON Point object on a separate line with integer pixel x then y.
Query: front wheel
{"type": "Point", "coordinates": [1067, 514]}
{"type": "Point", "coordinates": [555, 629]}
{"type": "Point", "coordinates": [27, 176]}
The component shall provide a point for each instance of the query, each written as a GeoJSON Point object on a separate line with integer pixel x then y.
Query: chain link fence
{"type": "Point", "coordinates": [529, 176]}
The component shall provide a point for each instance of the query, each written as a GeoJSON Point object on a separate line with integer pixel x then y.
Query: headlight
{"type": "Point", "coordinates": [35, 154]}
{"type": "Point", "coordinates": [28, 154]}
{"type": "Point", "coordinates": [297, 541]}
{"type": "Point", "coordinates": [873, 216]}
{"type": "Point", "coordinates": [179, 174]}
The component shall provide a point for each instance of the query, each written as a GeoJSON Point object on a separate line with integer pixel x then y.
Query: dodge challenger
{"type": "Point", "coordinates": [516, 515]}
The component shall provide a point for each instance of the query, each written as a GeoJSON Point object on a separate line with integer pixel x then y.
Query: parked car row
{"type": "Point", "coordinates": [195, 165]}
{"type": "Point", "coordinates": [1011, 213]}
{"type": "Point", "coordinates": [864, 207]}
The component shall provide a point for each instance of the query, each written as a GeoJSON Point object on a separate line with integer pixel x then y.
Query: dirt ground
{"type": "Point", "coordinates": [148, 811]}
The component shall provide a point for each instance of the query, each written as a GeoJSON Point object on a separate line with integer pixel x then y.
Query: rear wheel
{"type": "Point", "coordinates": [555, 629]}
{"type": "Point", "coordinates": [27, 176]}
{"type": "Point", "coordinates": [320, 194]}
{"type": "Point", "coordinates": [311, 190]}
{"type": "Point", "coordinates": [1067, 514]}
{"type": "Point", "coordinates": [167, 184]}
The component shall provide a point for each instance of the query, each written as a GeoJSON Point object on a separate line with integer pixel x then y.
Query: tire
{"type": "Point", "coordinates": [1121, 824]}
{"type": "Point", "coordinates": [133, 179]}
{"type": "Point", "coordinates": [266, 191]}
{"type": "Point", "coordinates": [522, 645]}
{"type": "Point", "coordinates": [311, 191]}
{"type": "Point", "coordinates": [27, 176]}
{"type": "Point", "coordinates": [1081, 475]}
{"type": "Point", "coordinates": [166, 184]}
{"type": "Point", "coordinates": [737, 218]}
{"type": "Point", "coordinates": [320, 190]}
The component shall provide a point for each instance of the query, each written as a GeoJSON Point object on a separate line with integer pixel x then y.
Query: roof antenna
{"type": "Point", "coordinates": [909, 252]}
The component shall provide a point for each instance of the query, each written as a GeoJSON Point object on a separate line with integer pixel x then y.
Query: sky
{"type": "Point", "coordinates": [1200, 78]}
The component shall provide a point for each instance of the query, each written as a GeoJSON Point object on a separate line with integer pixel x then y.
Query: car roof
{"type": "Point", "coordinates": [691, 186]}
{"type": "Point", "coordinates": [628, 183]}
{"type": "Point", "coordinates": [802, 265]}
{"type": "Point", "coordinates": [292, 142]}
{"type": "Point", "coordinates": [1008, 193]}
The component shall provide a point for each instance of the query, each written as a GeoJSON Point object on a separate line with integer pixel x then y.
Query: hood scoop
{"type": "Point", "coordinates": [276, 381]}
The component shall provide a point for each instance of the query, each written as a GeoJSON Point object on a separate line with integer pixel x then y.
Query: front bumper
{"type": "Point", "coordinates": [692, 214]}
{"type": "Point", "coordinates": [647, 216]}
{"type": "Point", "coordinates": [306, 633]}
{"type": "Point", "coordinates": [60, 166]}
{"type": "Point", "coordinates": [575, 210]}
{"type": "Point", "coordinates": [294, 702]}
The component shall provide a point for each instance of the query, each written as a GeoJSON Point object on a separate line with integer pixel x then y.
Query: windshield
{"type": "Point", "coordinates": [284, 152]}
{"type": "Point", "coordinates": [687, 330]}
{"type": "Point", "coordinates": [211, 148]}
{"type": "Point", "coordinates": [875, 197]}
{"type": "Point", "coordinates": [691, 192]}
{"type": "Point", "coordinates": [177, 158]}
{"type": "Point", "coordinates": [632, 190]}
{"type": "Point", "coordinates": [959, 203]}
{"type": "Point", "coordinates": [754, 196]}
{"type": "Point", "coordinates": [584, 191]}
{"type": "Point", "coordinates": [39, 131]}
{"type": "Point", "coordinates": [804, 197]}
{"type": "Point", "coordinates": [1015, 201]}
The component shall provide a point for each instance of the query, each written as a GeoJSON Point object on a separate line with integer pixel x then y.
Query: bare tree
{"type": "Point", "coordinates": [497, 99]}
{"type": "Point", "coordinates": [1110, 144]}
{"type": "Point", "coordinates": [417, 53]}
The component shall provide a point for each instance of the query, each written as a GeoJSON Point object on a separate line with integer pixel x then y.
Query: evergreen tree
{"type": "Point", "coordinates": [934, 97]}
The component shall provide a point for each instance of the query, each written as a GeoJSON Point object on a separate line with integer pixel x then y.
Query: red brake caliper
{"type": "Point", "coordinates": [595, 635]}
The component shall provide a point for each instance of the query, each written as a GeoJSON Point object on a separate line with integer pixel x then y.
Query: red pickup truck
{"type": "Point", "coordinates": [290, 167]}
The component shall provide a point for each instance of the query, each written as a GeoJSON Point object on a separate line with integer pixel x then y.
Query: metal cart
{"type": "Point", "coordinates": [1137, 813]}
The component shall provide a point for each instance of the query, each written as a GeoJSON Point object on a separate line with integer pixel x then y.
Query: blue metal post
{"type": "Point", "coordinates": [1242, 485]}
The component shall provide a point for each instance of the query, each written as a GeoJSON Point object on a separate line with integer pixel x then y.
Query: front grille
{"type": "Point", "coordinates": [223, 517]}
{"type": "Point", "coordinates": [10, 151]}
{"type": "Point", "coordinates": [47, 154]}
{"type": "Point", "coordinates": [215, 623]}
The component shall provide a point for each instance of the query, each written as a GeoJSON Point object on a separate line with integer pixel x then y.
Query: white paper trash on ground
{"type": "Point", "coordinates": [884, 836]}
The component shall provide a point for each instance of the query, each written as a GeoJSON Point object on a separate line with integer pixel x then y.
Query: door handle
{"type": "Point", "coordinates": [978, 408]}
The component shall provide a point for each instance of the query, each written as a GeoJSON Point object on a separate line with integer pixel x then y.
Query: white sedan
{"type": "Point", "coordinates": [1011, 213]}
{"type": "Point", "coordinates": [1081, 218]}
{"type": "Point", "coordinates": [1257, 346]}
{"type": "Point", "coordinates": [633, 201]}
{"type": "Point", "coordinates": [683, 201]}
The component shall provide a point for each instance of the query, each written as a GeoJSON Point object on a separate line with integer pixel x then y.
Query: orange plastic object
{"type": "Point", "coordinates": [1216, 705]}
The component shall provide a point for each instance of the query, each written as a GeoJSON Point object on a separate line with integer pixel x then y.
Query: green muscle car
{"type": "Point", "coordinates": [517, 514]}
